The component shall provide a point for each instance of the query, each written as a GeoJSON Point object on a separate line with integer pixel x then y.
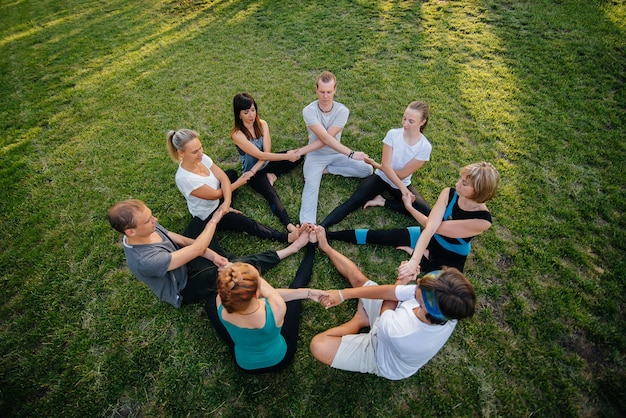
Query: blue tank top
{"type": "Point", "coordinates": [257, 348]}
{"type": "Point", "coordinates": [248, 161]}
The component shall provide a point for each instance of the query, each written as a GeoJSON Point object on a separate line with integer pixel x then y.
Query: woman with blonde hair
{"type": "Point", "coordinates": [459, 215]}
{"type": "Point", "coordinates": [405, 150]}
{"type": "Point", "coordinates": [206, 186]}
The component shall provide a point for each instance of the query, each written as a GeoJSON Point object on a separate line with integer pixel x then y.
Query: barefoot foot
{"type": "Point", "coordinates": [377, 201]}
{"type": "Point", "coordinates": [406, 249]}
{"type": "Point", "coordinates": [293, 235]}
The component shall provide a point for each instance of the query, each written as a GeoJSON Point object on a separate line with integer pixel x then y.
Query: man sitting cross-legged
{"type": "Point", "coordinates": [178, 269]}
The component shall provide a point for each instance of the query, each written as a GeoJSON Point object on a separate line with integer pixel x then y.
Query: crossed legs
{"type": "Point", "coordinates": [324, 346]}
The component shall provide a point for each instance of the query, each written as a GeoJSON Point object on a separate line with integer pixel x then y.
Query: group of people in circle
{"type": "Point", "coordinates": [407, 322]}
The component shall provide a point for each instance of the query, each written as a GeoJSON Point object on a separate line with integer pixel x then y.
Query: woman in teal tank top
{"type": "Point", "coordinates": [258, 323]}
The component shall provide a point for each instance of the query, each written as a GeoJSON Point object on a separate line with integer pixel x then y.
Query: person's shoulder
{"type": "Point", "coordinates": [341, 106]}
{"type": "Point", "coordinates": [311, 106]}
{"type": "Point", "coordinates": [207, 160]}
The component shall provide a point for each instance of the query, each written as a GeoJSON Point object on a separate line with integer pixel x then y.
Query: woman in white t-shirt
{"type": "Point", "coordinates": [206, 186]}
{"type": "Point", "coordinates": [408, 323]}
{"type": "Point", "coordinates": [404, 151]}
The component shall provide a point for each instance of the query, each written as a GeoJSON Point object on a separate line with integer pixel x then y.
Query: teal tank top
{"type": "Point", "coordinates": [248, 161]}
{"type": "Point", "coordinates": [260, 347]}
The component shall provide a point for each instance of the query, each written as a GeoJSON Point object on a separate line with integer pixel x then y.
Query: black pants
{"type": "Point", "coordinates": [202, 274]}
{"type": "Point", "coordinates": [369, 188]}
{"type": "Point", "coordinates": [234, 222]}
{"type": "Point", "coordinates": [291, 325]}
{"type": "Point", "coordinates": [261, 184]}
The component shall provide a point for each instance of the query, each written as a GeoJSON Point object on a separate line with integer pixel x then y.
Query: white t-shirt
{"type": "Point", "coordinates": [187, 182]}
{"type": "Point", "coordinates": [402, 153]}
{"type": "Point", "coordinates": [405, 343]}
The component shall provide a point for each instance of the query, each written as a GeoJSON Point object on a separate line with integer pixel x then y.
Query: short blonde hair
{"type": "Point", "coordinates": [484, 178]}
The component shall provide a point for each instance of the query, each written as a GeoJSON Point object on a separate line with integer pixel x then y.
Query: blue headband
{"type": "Point", "coordinates": [430, 300]}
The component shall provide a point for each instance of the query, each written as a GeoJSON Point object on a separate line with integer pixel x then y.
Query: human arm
{"type": "Point", "coordinates": [408, 200]}
{"type": "Point", "coordinates": [373, 163]}
{"type": "Point", "coordinates": [397, 175]}
{"type": "Point", "coordinates": [454, 228]}
{"type": "Point", "coordinates": [224, 191]}
{"type": "Point", "coordinates": [192, 248]}
{"type": "Point", "coordinates": [328, 137]}
{"type": "Point", "coordinates": [335, 297]}
{"type": "Point", "coordinates": [303, 293]}
{"type": "Point", "coordinates": [219, 260]}
{"type": "Point", "coordinates": [240, 139]}
{"type": "Point", "coordinates": [409, 269]}
{"type": "Point", "coordinates": [279, 307]}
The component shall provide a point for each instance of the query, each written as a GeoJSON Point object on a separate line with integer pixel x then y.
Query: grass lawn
{"type": "Point", "coordinates": [90, 88]}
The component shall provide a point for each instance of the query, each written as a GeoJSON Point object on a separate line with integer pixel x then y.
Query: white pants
{"type": "Point", "coordinates": [314, 165]}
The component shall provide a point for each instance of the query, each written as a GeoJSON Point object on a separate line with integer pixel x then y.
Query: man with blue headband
{"type": "Point", "coordinates": [408, 323]}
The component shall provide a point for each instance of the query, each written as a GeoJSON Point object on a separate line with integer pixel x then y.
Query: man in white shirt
{"type": "Point", "coordinates": [325, 120]}
{"type": "Point", "coordinates": [408, 323]}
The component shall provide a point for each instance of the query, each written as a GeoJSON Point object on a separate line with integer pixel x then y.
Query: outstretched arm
{"type": "Point", "coordinates": [240, 139]}
{"type": "Point", "coordinates": [329, 138]}
{"type": "Point", "coordinates": [302, 293]}
{"type": "Point", "coordinates": [343, 264]}
{"type": "Point", "coordinates": [409, 269]}
{"type": "Point", "coordinates": [335, 297]}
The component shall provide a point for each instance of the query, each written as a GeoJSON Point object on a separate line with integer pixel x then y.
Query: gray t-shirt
{"type": "Point", "coordinates": [338, 116]}
{"type": "Point", "coordinates": [149, 263]}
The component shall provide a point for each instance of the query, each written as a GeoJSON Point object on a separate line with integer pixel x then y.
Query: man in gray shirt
{"type": "Point", "coordinates": [178, 269]}
{"type": "Point", "coordinates": [325, 120]}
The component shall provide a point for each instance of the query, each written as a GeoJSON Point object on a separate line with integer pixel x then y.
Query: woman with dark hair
{"type": "Point", "coordinates": [251, 135]}
{"type": "Point", "coordinates": [408, 323]}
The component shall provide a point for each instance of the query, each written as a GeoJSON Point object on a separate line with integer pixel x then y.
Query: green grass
{"type": "Point", "coordinates": [89, 89]}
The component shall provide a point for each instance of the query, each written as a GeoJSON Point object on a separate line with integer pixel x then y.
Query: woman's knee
{"type": "Point", "coordinates": [322, 349]}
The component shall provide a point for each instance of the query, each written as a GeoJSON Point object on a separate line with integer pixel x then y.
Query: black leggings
{"type": "Point", "coordinates": [234, 222]}
{"type": "Point", "coordinates": [202, 274]}
{"type": "Point", "coordinates": [369, 188]}
{"type": "Point", "coordinates": [261, 184]}
{"type": "Point", "coordinates": [291, 325]}
{"type": "Point", "coordinates": [403, 237]}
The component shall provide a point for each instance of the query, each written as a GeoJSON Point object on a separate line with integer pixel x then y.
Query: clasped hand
{"type": "Point", "coordinates": [331, 299]}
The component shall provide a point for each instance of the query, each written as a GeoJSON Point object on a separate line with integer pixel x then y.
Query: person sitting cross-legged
{"type": "Point", "coordinates": [408, 323]}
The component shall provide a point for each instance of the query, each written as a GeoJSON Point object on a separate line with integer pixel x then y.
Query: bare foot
{"type": "Point", "coordinates": [407, 249]}
{"type": "Point", "coordinates": [377, 201]}
{"type": "Point", "coordinates": [271, 177]}
{"type": "Point", "coordinates": [320, 232]}
{"type": "Point", "coordinates": [313, 234]}
{"type": "Point", "coordinates": [292, 227]}
{"type": "Point", "coordinates": [293, 235]}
